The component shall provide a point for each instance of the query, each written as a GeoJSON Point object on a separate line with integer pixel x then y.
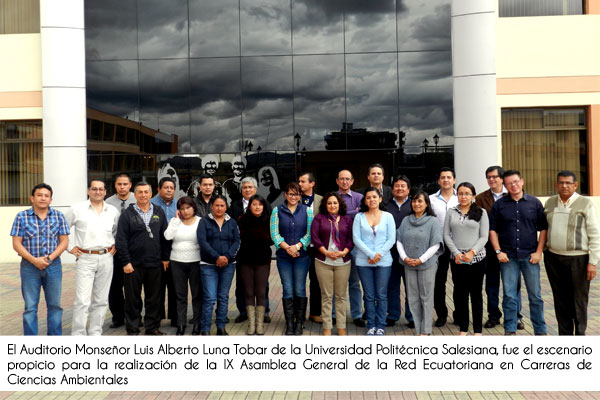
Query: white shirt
{"type": "Point", "coordinates": [90, 230]}
{"type": "Point", "coordinates": [245, 203]}
{"type": "Point", "coordinates": [498, 196]}
{"type": "Point", "coordinates": [440, 206]}
{"type": "Point", "coordinates": [185, 246]}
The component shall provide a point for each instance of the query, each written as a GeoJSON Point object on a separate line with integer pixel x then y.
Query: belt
{"type": "Point", "coordinates": [102, 251]}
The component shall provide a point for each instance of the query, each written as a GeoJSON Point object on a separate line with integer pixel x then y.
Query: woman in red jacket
{"type": "Point", "coordinates": [331, 233]}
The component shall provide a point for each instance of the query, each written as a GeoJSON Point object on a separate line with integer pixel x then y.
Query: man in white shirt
{"type": "Point", "coordinates": [93, 225]}
{"type": "Point", "coordinates": [441, 202]}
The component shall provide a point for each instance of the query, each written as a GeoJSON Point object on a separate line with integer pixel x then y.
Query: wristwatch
{"type": "Point", "coordinates": [298, 246]}
{"type": "Point", "coordinates": [48, 259]}
{"type": "Point", "coordinates": [498, 251]}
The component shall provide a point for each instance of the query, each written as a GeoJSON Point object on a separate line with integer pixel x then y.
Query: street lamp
{"type": "Point", "coordinates": [297, 139]}
{"type": "Point", "coordinates": [436, 140]}
{"type": "Point", "coordinates": [425, 145]}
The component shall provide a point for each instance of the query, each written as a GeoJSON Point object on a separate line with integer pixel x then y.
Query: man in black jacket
{"type": "Point", "coordinates": [144, 252]}
{"type": "Point", "coordinates": [206, 195]}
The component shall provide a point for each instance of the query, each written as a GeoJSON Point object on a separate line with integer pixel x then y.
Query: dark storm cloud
{"type": "Point", "coordinates": [112, 87]}
{"type": "Point", "coordinates": [434, 28]}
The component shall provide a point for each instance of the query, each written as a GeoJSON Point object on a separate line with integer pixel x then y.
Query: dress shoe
{"type": "Point", "coordinates": [411, 324]}
{"type": "Point", "coordinates": [180, 331]}
{"type": "Point", "coordinates": [154, 332]}
{"type": "Point", "coordinates": [520, 325]}
{"type": "Point", "coordinates": [174, 323]}
{"type": "Point", "coordinates": [222, 332]}
{"type": "Point", "coordinates": [316, 318]}
{"type": "Point", "coordinates": [359, 322]}
{"type": "Point", "coordinates": [491, 323]}
{"type": "Point", "coordinates": [132, 333]}
{"type": "Point", "coordinates": [441, 322]}
{"type": "Point", "coordinates": [333, 321]}
{"type": "Point", "coordinates": [196, 330]}
{"type": "Point", "coordinates": [267, 319]}
{"type": "Point", "coordinates": [116, 325]}
{"type": "Point", "coordinates": [241, 318]}
{"type": "Point", "coordinates": [510, 334]}
{"type": "Point", "coordinates": [390, 322]}
{"type": "Point", "coordinates": [205, 333]}
{"type": "Point", "coordinates": [342, 332]}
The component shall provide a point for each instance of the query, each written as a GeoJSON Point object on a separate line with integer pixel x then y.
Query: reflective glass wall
{"type": "Point", "coordinates": [236, 75]}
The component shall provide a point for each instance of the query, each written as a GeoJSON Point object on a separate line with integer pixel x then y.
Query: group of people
{"type": "Point", "coordinates": [357, 244]}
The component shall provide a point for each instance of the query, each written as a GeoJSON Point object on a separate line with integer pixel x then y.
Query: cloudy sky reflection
{"type": "Point", "coordinates": [219, 71]}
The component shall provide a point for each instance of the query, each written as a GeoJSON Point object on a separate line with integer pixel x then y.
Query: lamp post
{"type": "Point", "coordinates": [297, 140]}
{"type": "Point", "coordinates": [436, 140]}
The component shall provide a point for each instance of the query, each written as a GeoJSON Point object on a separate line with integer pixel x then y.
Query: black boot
{"type": "Point", "coordinates": [180, 330]}
{"type": "Point", "coordinates": [300, 314]}
{"type": "Point", "coordinates": [288, 312]}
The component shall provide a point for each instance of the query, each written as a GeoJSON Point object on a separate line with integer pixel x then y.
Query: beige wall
{"type": "Point", "coordinates": [20, 77]}
{"type": "Point", "coordinates": [7, 216]}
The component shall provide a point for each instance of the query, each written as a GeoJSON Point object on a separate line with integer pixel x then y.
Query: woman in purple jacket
{"type": "Point", "coordinates": [331, 233]}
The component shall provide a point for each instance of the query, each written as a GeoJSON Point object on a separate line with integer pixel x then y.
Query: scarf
{"type": "Point", "coordinates": [335, 230]}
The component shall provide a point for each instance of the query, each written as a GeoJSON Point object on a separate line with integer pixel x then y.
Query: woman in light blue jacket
{"type": "Point", "coordinates": [374, 234]}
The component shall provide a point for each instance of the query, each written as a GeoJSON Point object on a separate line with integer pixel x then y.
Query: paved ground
{"type": "Point", "coordinates": [11, 324]}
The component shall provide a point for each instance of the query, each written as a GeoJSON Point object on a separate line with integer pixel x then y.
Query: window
{"type": "Point", "coordinates": [541, 142]}
{"type": "Point", "coordinates": [22, 165]}
{"type": "Point", "coordinates": [533, 8]}
{"type": "Point", "coordinates": [19, 16]}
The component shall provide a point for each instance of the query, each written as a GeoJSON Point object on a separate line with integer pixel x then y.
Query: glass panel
{"type": "Point", "coordinates": [370, 25]}
{"type": "Point", "coordinates": [110, 30]}
{"type": "Point", "coordinates": [423, 25]}
{"type": "Point", "coordinates": [318, 27]}
{"type": "Point", "coordinates": [163, 28]}
{"type": "Point", "coordinates": [372, 99]}
{"type": "Point", "coordinates": [214, 28]}
{"type": "Point", "coordinates": [266, 27]}
{"type": "Point", "coordinates": [112, 87]}
{"type": "Point", "coordinates": [21, 160]}
{"type": "Point", "coordinates": [425, 83]}
{"type": "Point", "coordinates": [267, 102]}
{"type": "Point", "coordinates": [540, 154]}
{"type": "Point", "coordinates": [319, 98]}
{"type": "Point", "coordinates": [527, 8]}
{"type": "Point", "coordinates": [164, 96]}
{"type": "Point", "coordinates": [216, 105]}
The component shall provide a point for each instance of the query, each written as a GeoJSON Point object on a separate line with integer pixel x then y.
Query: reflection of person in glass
{"type": "Point", "coordinates": [232, 185]}
{"type": "Point", "coordinates": [268, 186]}
{"type": "Point", "coordinates": [167, 171]}
{"type": "Point", "coordinates": [210, 165]}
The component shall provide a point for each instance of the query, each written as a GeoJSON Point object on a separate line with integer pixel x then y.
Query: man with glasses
{"type": "Point", "coordinates": [345, 180]}
{"type": "Point", "coordinates": [144, 251]}
{"type": "Point", "coordinates": [573, 253]}
{"type": "Point", "coordinates": [116, 301]}
{"type": "Point", "coordinates": [93, 226]}
{"type": "Point", "coordinates": [514, 223]}
{"type": "Point", "coordinates": [486, 200]}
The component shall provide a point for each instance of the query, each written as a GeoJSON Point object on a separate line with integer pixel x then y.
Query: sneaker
{"type": "Point", "coordinates": [371, 332]}
{"type": "Point", "coordinates": [380, 332]}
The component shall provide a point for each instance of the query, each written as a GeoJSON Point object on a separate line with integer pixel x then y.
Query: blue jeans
{"type": "Point", "coordinates": [293, 272]}
{"type": "Point", "coordinates": [510, 277]}
{"type": "Point", "coordinates": [375, 285]}
{"type": "Point", "coordinates": [216, 282]}
{"type": "Point", "coordinates": [32, 279]}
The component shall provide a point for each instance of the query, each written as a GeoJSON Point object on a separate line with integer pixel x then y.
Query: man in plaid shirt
{"type": "Point", "coordinates": [40, 235]}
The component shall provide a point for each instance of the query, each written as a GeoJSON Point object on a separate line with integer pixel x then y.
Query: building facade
{"type": "Point", "coordinates": [154, 87]}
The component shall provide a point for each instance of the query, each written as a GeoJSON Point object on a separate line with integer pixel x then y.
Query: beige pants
{"type": "Point", "coordinates": [333, 279]}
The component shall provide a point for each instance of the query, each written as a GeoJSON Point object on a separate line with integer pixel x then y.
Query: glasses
{"type": "Point", "coordinates": [464, 194]}
{"type": "Point", "coordinates": [97, 189]}
{"type": "Point", "coordinates": [565, 183]}
{"type": "Point", "coordinates": [293, 194]}
{"type": "Point", "coordinates": [513, 183]}
{"type": "Point", "coordinates": [149, 232]}
{"type": "Point", "coordinates": [493, 177]}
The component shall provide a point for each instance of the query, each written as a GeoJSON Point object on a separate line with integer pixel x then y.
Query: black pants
{"type": "Point", "coordinates": [255, 279]}
{"type": "Point", "coordinates": [149, 279]}
{"type": "Point", "coordinates": [571, 290]}
{"type": "Point", "coordinates": [314, 287]}
{"type": "Point", "coordinates": [116, 300]}
{"type": "Point", "coordinates": [492, 283]}
{"type": "Point", "coordinates": [240, 294]}
{"type": "Point", "coordinates": [184, 273]}
{"type": "Point", "coordinates": [166, 284]}
{"type": "Point", "coordinates": [468, 281]}
{"type": "Point", "coordinates": [439, 291]}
